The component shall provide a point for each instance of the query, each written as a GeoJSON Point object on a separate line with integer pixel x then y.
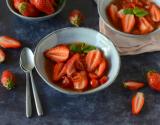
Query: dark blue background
{"type": "Point", "coordinates": [111, 106]}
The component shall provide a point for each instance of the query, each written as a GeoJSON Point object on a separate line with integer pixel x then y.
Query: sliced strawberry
{"type": "Point", "coordinates": [149, 19]}
{"type": "Point", "coordinates": [131, 85]}
{"type": "Point", "coordinates": [153, 78]}
{"type": "Point", "coordinates": [128, 22]}
{"type": "Point", "coordinates": [58, 71]}
{"type": "Point", "coordinates": [59, 53]}
{"type": "Point", "coordinates": [136, 32]}
{"type": "Point", "coordinates": [8, 42]}
{"type": "Point", "coordinates": [80, 80]}
{"type": "Point", "coordinates": [113, 13]}
{"type": "Point", "coordinates": [146, 2]}
{"type": "Point", "coordinates": [93, 76]}
{"type": "Point", "coordinates": [17, 2]}
{"type": "Point", "coordinates": [94, 83]}
{"type": "Point", "coordinates": [8, 79]}
{"type": "Point", "coordinates": [121, 14]}
{"type": "Point", "coordinates": [70, 65]}
{"type": "Point", "coordinates": [101, 68]}
{"type": "Point", "coordinates": [137, 103]}
{"type": "Point", "coordinates": [127, 5]}
{"type": "Point", "coordinates": [103, 79]}
{"type": "Point", "coordinates": [53, 2]}
{"type": "Point", "coordinates": [44, 6]}
{"type": "Point", "coordinates": [145, 26]}
{"type": "Point", "coordinates": [66, 82]}
{"type": "Point", "coordinates": [93, 59]}
{"type": "Point", "coordinates": [27, 9]}
{"type": "Point", "coordinates": [155, 13]}
{"type": "Point", "coordinates": [79, 65]}
{"type": "Point", "coordinates": [135, 1]}
{"type": "Point", "coordinates": [2, 56]}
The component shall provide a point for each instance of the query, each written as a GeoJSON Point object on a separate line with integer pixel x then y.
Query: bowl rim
{"type": "Point", "coordinates": [120, 32]}
{"type": "Point", "coordinates": [59, 89]}
{"type": "Point", "coordinates": [35, 18]}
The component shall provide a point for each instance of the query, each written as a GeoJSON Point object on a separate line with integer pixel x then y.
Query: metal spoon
{"type": "Point", "coordinates": [27, 61]}
{"type": "Point", "coordinates": [28, 92]}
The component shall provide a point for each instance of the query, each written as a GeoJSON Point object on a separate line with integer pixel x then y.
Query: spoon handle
{"type": "Point", "coordinates": [36, 97]}
{"type": "Point", "coordinates": [28, 98]}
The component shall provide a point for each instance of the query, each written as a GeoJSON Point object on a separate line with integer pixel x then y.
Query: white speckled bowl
{"type": "Point", "coordinates": [40, 18]}
{"type": "Point", "coordinates": [102, 4]}
{"type": "Point", "coordinates": [69, 35]}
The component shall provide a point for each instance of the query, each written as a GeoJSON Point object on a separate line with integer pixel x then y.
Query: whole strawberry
{"type": "Point", "coordinates": [44, 6]}
{"type": "Point", "coordinates": [2, 56]}
{"type": "Point", "coordinates": [27, 9]}
{"type": "Point", "coordinates": [8, 79]}
{"type": "Point", "coordinates": [17, 2]}
{"type": "Point", "coordinates": [76, 17]}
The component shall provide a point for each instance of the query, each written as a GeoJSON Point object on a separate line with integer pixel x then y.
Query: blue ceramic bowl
{"type": "Point", "coordinates": [69, 35]}
{"type": "Point", "coordinates": [14, 11]}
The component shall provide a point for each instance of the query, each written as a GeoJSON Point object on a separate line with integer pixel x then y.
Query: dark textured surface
{"type": "Point", "coordinates": [108, 107]}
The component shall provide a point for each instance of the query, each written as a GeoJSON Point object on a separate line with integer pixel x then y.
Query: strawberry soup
{"type": "Point", "coordinates": [76, 66]}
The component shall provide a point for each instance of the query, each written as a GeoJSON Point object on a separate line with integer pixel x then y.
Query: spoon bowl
{"type": "Point", "coordinates": [27, 59]}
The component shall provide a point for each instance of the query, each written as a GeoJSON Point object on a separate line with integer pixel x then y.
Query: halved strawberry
{"type": "Point", "coordinates": [80, 80]}
{"type": "Point", "coordinates": [94, 83]}
{"type": "Point", "coordinates": [113, 13]}
{"type": "Point", "coordinates": [44, 6]}
{"type": "Point", "coordinates": [93, 59]}
{"type": "Point", "coordinates": [145, 26]}
{"type": "Point", "coordinates": [153, 78]}
{"type": "Point", "coordinates": [70, 65]}
{"type": "Point", "coordinates": [79, 65]}
{"type": "Point", "coordinates": [128, 4]}
{"type": "Point", "coordinates": [2, 56]}
{"type": "Point", "coordinates": [128, 23]}
{"type": "Point", "coordinates": [66, 82]}
{"type": "Point", "coordinates": [103, 79]}
{"type": "Point", "coordinates": [132, 85]}
{"type": "Point", "coordinates": [137, 103]}
{"type": "Point", "coordinates": [121, 14]}
{"type": "Point", "coordinates": [8, 42]}
{"type": "Point", "coordinates": [53, 2]}
{"type": "Point", "coordinates": [136, 32]}
{"type": "Point", "coordinates": [93, 76]}
{"type": "Point", "coordinates": [17, 2]}
{"type": "Point", "coordinates": [59, 53]}
{"type": "Point", "coordinates": [155, 13]}
{"type": "Point", "coordinates": [27, 9]}
{"type": "Point", "coordinates": [101, 68]}
{"type": "Point", "coordinates": [58, 71]}
{"type": "Point", "coordinates": [146, 2]}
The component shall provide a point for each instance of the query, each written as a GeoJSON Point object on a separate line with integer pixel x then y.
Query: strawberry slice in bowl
{"type": "Point", "coordinates": [59, 53]}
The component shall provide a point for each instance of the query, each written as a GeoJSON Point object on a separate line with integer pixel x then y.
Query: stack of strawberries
{"type": "Point", "coordinates": [34, 8]}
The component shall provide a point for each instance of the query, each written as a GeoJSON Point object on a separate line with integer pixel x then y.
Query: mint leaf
{"type": "Point", "coordinates": [128, 11]}
{"type": "Point", "coordinates": [88, 48]}
{"type": "Point", "coordinates": [139, 12]}
{"type": "Point", "coordinates": [75, 48]}
{"type": "Point", "coordinates": [81, 47]}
